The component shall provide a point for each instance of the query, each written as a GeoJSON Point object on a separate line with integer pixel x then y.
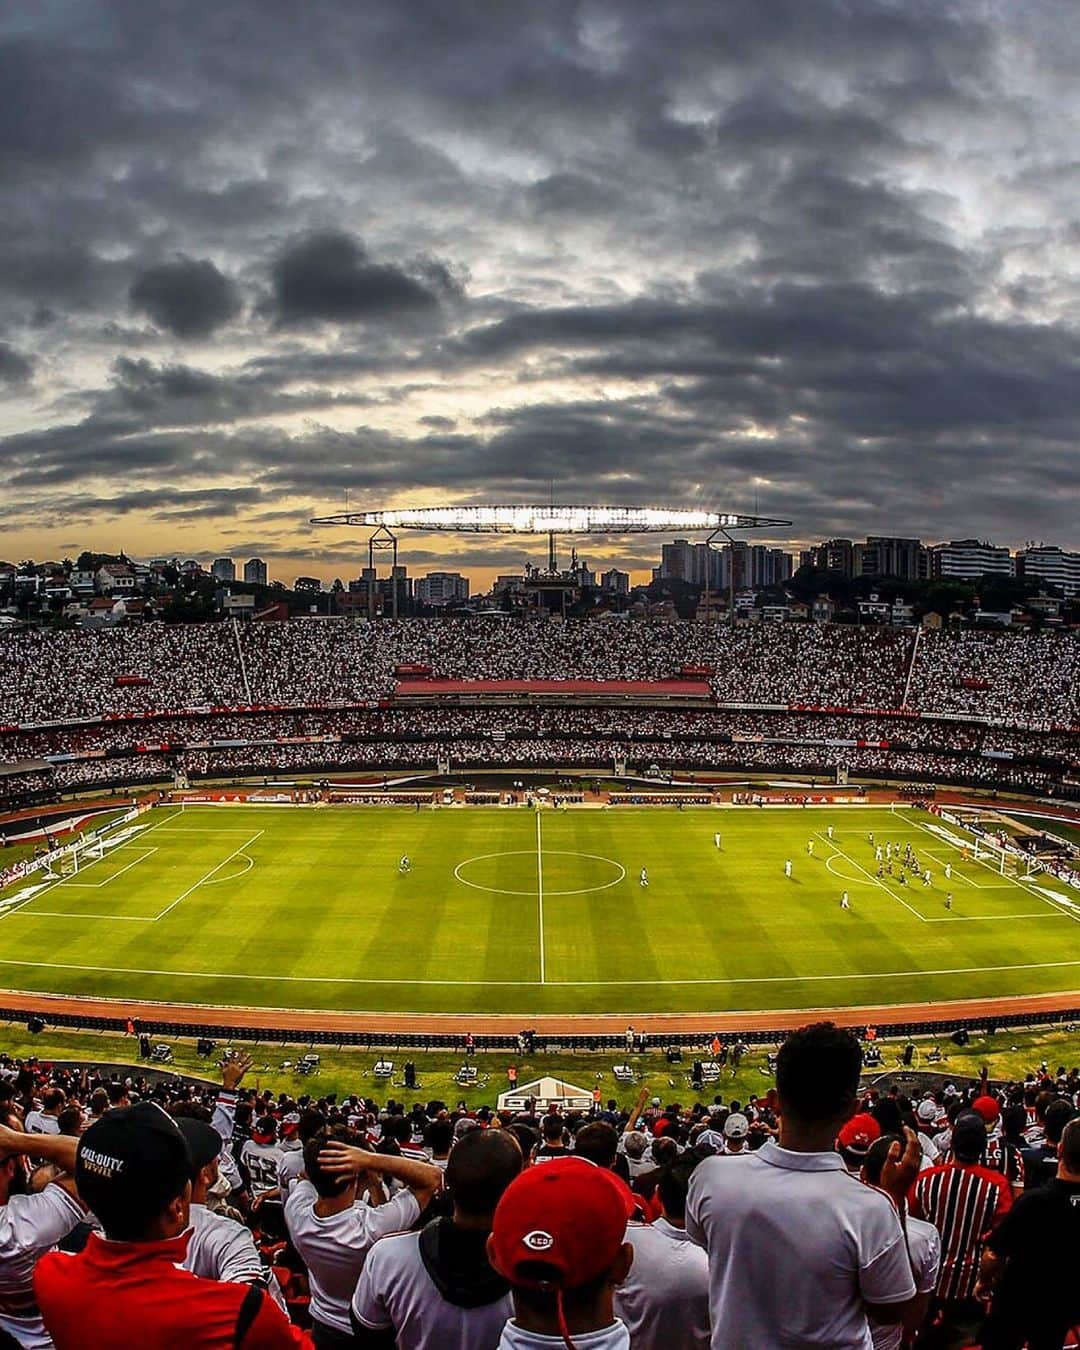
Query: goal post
{"type": "Point", "coordinates": [1009, 862]}
{"type": "Point", "coordinates": [79, 854]}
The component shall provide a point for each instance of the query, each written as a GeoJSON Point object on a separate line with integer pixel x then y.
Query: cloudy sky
{"type": "Point", "coordinates": [814, 256]}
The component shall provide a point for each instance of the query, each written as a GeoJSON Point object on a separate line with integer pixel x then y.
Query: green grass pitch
{"type": "Point", "coordinates": [524, 912]}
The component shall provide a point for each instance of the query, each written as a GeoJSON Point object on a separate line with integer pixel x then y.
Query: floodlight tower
{"type": "Point", "coordinates": [551, 519]}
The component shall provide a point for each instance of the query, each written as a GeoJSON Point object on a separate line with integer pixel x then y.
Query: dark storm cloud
{"type": "Point", "coordinates": [15, 369]}
{"type": "Point", "coordinates": [809, 253]}
{"type": "Point", "coordinates": [188, 296]}
{"type": "Point", "coordinates": [330, 276]}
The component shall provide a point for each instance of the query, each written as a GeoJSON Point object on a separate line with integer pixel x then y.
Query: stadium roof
{"type": "Point", "coordinates": [550, 519]}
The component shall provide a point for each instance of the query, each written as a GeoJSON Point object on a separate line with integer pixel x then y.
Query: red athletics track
{"type": "Point", "coordinates": [654, 1024]}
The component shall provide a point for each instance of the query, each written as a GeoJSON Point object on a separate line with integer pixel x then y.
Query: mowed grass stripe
{"type": "Point", "coordinates": [324, 920]}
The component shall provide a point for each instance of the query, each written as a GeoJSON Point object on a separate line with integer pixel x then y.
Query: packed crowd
{"type": "Point", "coordinates": [1032, 678]}
{"type": "Point", "coordinates": [152, 750]}
{"type": "Point", "coordinates": [1026, 678]}
{"type": "Point", "coordinates": [425, 721]}
{"type": "Point", "coordinates": [823, 1213]}
{"type": "Point", "coordinates": [276, 760]}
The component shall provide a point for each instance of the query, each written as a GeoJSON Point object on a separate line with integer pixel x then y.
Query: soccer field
{"type": "Point", "coordinates": [527, 912]}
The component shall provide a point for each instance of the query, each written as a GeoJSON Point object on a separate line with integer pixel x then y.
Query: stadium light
{"type": "Point", "coordinates": [550, 519]}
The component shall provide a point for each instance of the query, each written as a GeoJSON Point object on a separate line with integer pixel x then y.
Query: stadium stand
{"type": "Point", "coordinates": [385, 1243]}
{"type": "Point", "coordinates": [140, 704]}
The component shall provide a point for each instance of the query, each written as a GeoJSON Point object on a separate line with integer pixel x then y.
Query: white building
{"type": "Point", "coordinates": [1044, 562]}
{"type": "Point", "coordinates": [969, 560]}
{"type": "Point", "coordinates": [441, 588]}
{"type": "Point", "coordinates": [115, 579]}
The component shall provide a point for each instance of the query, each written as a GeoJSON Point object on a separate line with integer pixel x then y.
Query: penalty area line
{"type": "Point", "coordinates": [217, 868]}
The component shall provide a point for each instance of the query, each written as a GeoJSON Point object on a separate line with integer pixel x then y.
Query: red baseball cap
{"type": "Point", "coordinates": [559, 1225]}
{"type": "Point", "coordinates": [858, 1134]}
{"type": "Point", "coordinates": [987, 1107]}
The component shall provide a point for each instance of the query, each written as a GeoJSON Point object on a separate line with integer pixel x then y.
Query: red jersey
{"type": "Point", "coordinates": [133, 1294]}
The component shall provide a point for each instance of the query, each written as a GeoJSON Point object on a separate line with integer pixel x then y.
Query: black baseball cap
{"type": "Point", "coordinates": [203, 1141]}
{"type": "Point", "coordinates": [131, 1163]}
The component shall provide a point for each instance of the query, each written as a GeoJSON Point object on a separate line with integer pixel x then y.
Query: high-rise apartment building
{"type": "Point", "coordinates": [224, 569]}
{"type": "Point", "coordinates": [1046, 562]}
{"type": "Point", "coordinates": [615, 581]}
{"type": "Point", "coordinates": [969, 560]}
{"type": "Point", "coordinates": [835, 555]}
{"type": "Point", "coordinates": [677, 561]}
{"type": "Point", "coordinates": [441, 588]}
{"type": "Point", "coordinates": [255, 572]}
{"type": "Point", "coordinates": [890, 556]}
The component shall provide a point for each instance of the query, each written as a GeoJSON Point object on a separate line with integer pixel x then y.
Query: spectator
{"type": "Point", "coordinates": [924, 1251]}
{"type": "Point", "coordinates": [999, 1155]}
{"type": "Point", "coordinates": [440, 1140]}
{"type": "Point", "coordinates": [553, 1134]}
{"type": "Point", "coordinates": [333, 1229]}
{"type": "Point", "coordinates": [133, 1170]}
{"type": "Point", "coordinates": [664, 1300]}
{"type": "Point", "coordinates": [797, 1253]}
{"type": "Point", "coordinates": [30, 1225]}
{"type": "Point", "coordinates": [292, 1158]}
{"type": "Point", "coordinates": [260, 1156]}
{"type": "Point", "coordinates": [964, 1201]}
{"type": "Point", "coordinates": [1029, 1262]}
{"type": "Point", "coordinates": [220, 1248]}
{"type": "Point", "coordinates": [437, 1287]}
{"type": "Point", "coordinates": [736, 1136]}
{"type": "Point", "coordinates": [47, 1119]}
{"type": "Point", "coordinates": [558, 1238]}
{"type": "Point", "coordinates": [1041, 1160]}
{"type": "Point", "coordinates": [855, 1139]}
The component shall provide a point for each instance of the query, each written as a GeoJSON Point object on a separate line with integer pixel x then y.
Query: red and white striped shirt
{"type": "Point", "coordinates": [964, 1202]}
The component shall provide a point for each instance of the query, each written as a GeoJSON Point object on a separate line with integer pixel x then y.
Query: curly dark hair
{"type": "Point", "coordinates": [817, 1072]}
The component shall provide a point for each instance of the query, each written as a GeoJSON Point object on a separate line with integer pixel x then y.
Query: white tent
{"type": "Point", "coordinates": [546, 1092]}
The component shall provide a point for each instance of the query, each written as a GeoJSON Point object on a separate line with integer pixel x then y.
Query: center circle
{"type": "Point", "coordinates": [487, 862]}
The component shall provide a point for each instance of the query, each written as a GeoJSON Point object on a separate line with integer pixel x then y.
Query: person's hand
{"type": "Point", "coordinates": [344, 1160]}
{"type": "Point", "coordinates": [233, 1067]}
{"type": "Point", "coordinates": [901, 1167]}
{"type": "Point", "coordinates": [10, 1141]}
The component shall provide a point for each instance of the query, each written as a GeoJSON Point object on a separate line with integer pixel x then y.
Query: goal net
{"type": "Point", "coordinates": [78, 855]}
{"type": "Point", "coordinates": [1009, 861]}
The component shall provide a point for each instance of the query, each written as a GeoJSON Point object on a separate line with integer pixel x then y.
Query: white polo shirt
{"type": "Point", "coordinates": [924, 1246]}
{"type": "Point", "coordinates": [396, 1291]}
{"type": "Point", "coordinates": [796, 1246]}
{"type": "Point", "coordinates": [334, 1249]}
{"type": "Point", "coordinates": [30, 1226]}
{"type": "Point", "coordinates": [614, 1337]}
{"type": "Point", "coordinates": [664, 1301]}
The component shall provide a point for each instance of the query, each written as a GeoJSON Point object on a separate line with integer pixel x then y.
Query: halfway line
{"type": "Point", "coordinates": [540, 889]}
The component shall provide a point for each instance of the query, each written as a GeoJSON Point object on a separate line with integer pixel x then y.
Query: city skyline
{"type": "Point", "coordinates": [762, 564]}
{"type": "Point", "coordinates": [810, 259]}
